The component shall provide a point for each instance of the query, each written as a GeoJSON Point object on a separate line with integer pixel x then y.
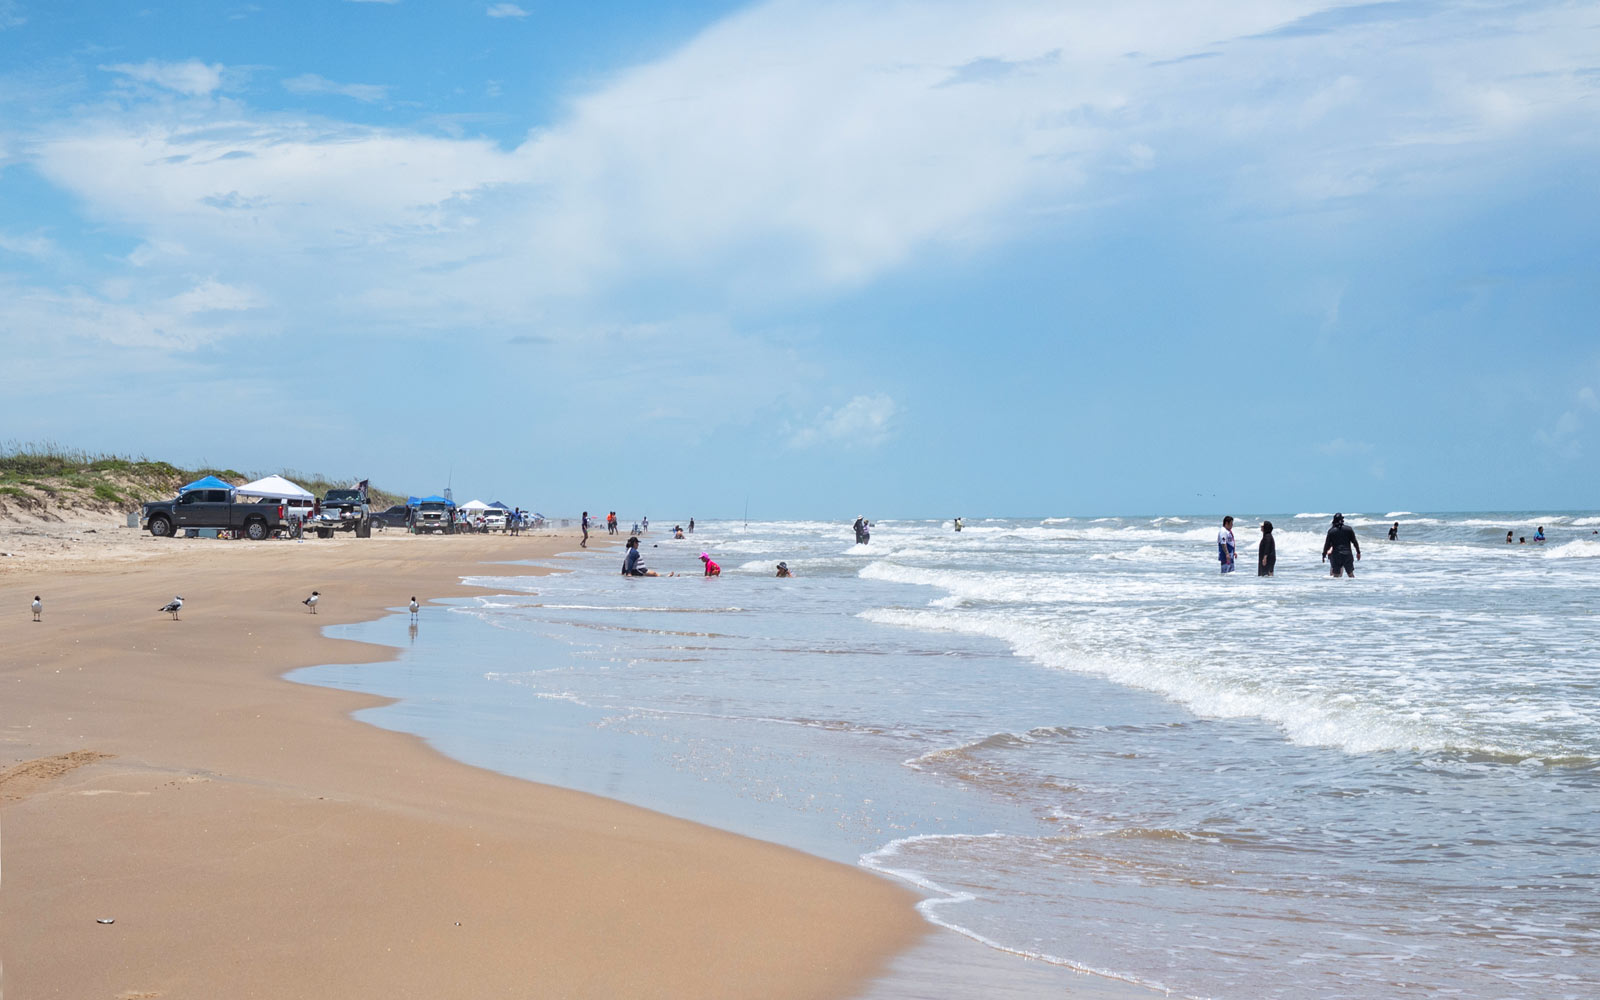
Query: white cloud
{"type": "Point", "coordinates": [795, 149]}
{"type": "Point", "coordinates": [506, 10]}
{"type": "Point", "coordinates": [180, 322]}
{"type": "Point", "coordinates": [311, 83]}
{"type": "Point", "coordinates": [865, 421]}
{"type": "Point", "coordinates": [11, 15]}
{"type": "Point", "coordinates": [191, 77]}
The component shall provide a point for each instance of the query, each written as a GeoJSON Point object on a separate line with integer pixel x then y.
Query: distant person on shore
{"type": "Point", "coordinates": [1394, 532]}
{"type": "Point", "coordinates": [631, 566]}
{"type": "Point", "coordinates": [958, 524]}
{"type": "Point", "coordinates": [1538, 536]}
{"type": "Point", "coordinates": [644, 524]}
{"type": "Point", "coordinates": [635, 528]}
{"type": "Point", "coordinates": [585, 543]}
{"type": "Point", "coordinates": [1340, 540]}
{"type": "Point", "coordinates": [1508, 538]}
{"type": "Point", "coordinates": [1267, 551]}
{"type": "Point", "coordinates": [784, 571]}
{"type": "Point", "coordinates": [611, 523]}
{"type": "Point", "coordinates": [1226, 553]}
{"type": "Point", "coordinates": [712, 569]}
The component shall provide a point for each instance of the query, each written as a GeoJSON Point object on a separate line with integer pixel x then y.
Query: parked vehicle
{"type": "Point", "coordinates": [216, 509]}
{"type": "Point", "coordinates": [434, 515]}
{"type": "Point", "coordinates": [398, 516]}
{"type": "Point", "coordinates": [344, 510]}
{"type": "Point", "coordinates": [494, 520]}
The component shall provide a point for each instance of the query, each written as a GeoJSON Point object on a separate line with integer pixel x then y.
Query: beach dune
{"type": "Point", "coordinates": [249, 839]}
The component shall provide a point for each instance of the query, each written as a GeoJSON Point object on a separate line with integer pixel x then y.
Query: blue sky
{"type": "Point", "coordinates": [913, 259]}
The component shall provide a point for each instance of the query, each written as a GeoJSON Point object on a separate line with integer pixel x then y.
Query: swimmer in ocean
{"type": "Point", "coordinates": [1394, 531]}
{"type": "Point", "coordinates": [784, 571]}
{"type": "Point", "coordinates": [1340, 540]}
{"type": "Point", "coordinates": [1225, 549]}
{"type": "Point", "coordinates": [631, 566]}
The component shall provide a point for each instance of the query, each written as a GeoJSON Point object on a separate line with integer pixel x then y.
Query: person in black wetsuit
{"type": "Point", "coordinates": [1340, 540]}
{"type": "Point", "coordinates": [1267, 551]}
{"type": "Point", "coordinates": [1394, 531]}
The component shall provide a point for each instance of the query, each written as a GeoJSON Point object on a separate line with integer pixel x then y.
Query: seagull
{"type": "Point", "coordinates": [38, 607]}
{"type": "Point", "coordinates": [311, 602]}
{"type": "Point", "coordinates": [173, 607]}
{"type": "Point", "coordinates": [415, 607]}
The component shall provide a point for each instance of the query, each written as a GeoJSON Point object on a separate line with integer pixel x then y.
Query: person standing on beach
{"type": "Point", "coordinates": [1340, 540]}
{"type": "Point", "coordinates": [1226, 554]}
{"type": "Point", "coordinates": [1267, 551]}
{"type": "Point", "coordinates": [585, 543]}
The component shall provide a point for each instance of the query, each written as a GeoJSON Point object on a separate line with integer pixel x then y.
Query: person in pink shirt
{"type": "Point", "coordinates": [712, 569]}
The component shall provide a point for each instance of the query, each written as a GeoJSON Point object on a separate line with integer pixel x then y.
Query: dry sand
{"type": "Point", "coordinates": [249, 839]}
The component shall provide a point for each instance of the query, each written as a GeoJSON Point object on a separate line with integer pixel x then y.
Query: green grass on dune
{"type": "Point", "coordinates": [68, 473]}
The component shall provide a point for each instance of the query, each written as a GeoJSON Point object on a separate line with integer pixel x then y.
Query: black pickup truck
{"type": "Point", "coordinates": [344, 510]}
{"type": "Point", "coordinates": [217, 509]}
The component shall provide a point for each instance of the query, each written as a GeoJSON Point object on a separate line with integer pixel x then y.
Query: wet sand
{"type": "Point", "coordinates": [250, 839]}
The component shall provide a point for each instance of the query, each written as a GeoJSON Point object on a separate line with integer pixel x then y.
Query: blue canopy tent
{"type": "Point", "coordinates": [497, 505]}
{"type": "Point", "coordinates": [419, 501]}
{"type": "Point", "coordinates": [206, 483]}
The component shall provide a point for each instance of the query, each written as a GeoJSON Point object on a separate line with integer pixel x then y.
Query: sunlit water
{"type": "Point", "coordinates": [1082, 743]}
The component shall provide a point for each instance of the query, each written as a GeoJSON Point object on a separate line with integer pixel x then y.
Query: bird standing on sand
{"type": "Point", "coordinates": [38, 607]}
{"type": "Point", "coordinates": [415, 607]}
{"type": "Point", "coordinates": [173, 606]}
{"type": "Point", "coordinates": [311, 602]}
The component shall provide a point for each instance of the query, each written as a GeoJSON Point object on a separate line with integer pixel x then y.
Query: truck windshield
{"type": "Point", "coordinates": [433, 506]}
{"type": "Point", "coordinates": [343, 496]}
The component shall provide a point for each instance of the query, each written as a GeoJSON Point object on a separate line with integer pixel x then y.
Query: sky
{"type": "Point", "coordinates": [815, 259]}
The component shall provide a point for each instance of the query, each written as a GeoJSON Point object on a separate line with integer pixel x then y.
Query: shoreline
{"type": "Point", "coordinates": [252, 836]}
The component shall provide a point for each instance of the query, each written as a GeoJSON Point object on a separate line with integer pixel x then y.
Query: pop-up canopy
{"type": "Point", "coordinates": [275, 488]}
{"type": "Point", "coordinates": [419, 501]}
{"type": "Point", "coordinates": [474, 505]}
{"type": "Point", "coordinates": [206, 483]}
{"type": "Point", "coordinates": [497, 505]}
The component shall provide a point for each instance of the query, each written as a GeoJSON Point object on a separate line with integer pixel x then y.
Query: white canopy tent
{"type": "Point", "coordinates": [474, 505]}
{"type": "Point", "coordinates": [275, 488]}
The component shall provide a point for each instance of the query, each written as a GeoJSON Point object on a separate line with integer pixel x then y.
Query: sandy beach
{"type": "Point", "coordinates": [248, 838]}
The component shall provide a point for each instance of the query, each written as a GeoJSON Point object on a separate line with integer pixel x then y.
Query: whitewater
{"type": "Point", "coordinates": [1084, 745]}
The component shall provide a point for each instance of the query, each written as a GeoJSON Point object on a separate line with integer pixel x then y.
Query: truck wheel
{"type": "Point", "coordinates": [160, 527]}
{"type": "Point", "coordinates": [256, 530]}
{"type": "Point", "coordinates": [324, 532]}
{"type": "Point", "coordinates": [364, 529]}
{"type": "Point", "coordinates": [296, 529]}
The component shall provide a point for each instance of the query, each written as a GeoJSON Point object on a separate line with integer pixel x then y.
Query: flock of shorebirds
{"type": "Point", "coordinates": [175, 605]}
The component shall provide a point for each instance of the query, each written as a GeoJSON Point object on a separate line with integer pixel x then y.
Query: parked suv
{"type": "Point", "coordinates": [398, 516]}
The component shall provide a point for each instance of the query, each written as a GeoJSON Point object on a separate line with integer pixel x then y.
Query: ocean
{"type": "Point", "coordinates": [1082, 744]}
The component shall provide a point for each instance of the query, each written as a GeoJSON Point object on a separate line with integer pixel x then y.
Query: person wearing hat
{"type": "Point", "coordinates": [712, 569]}
{"type": "Point", "coordinates": [783, 570]}
{"type": "Point", "coordinates": [1340, 540]}
{"type": "Point", "coordinates": [1267, 551]}
{"type": "Point", "coordinates": [631, 566]}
